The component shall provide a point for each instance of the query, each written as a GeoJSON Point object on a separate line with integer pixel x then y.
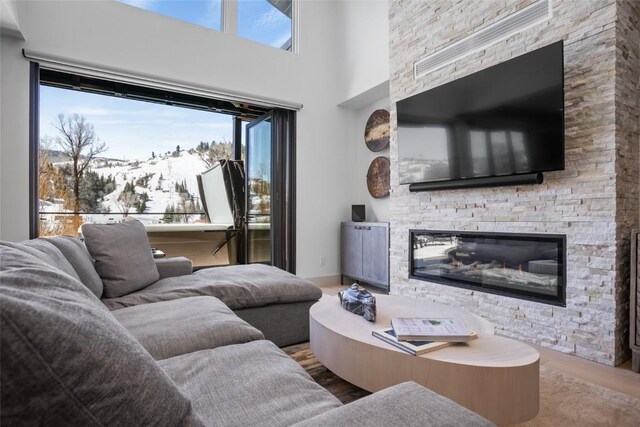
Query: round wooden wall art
{"type": "Point", "coordinates": [377, 131]}
{"type": "Point", "coordinates": [379, 177]}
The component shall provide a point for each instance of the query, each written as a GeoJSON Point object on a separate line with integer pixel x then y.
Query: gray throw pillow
{"type": "Point", "coordinates": [76, 253]}
{"type": "Point", "coordinates": [65, 360]}
{"type": "Point", "coordinates": [122, 255]}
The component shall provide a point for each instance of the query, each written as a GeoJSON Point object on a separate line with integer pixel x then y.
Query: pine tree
{"type": "Point", "coordinates": [166, 218]}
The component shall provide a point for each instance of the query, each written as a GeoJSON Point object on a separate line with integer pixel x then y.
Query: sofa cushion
{"type": "Point", "coordinates": [172, 328]}
{"type": "Point", "coordinates": [407, 404]}
{"type": "Point", "coordinates": [238, 286]}
{"type": "Point", "coordinates": [258, 284]}
{"type": "Point", "coordinates": [43, 250]}
{"type": "Point", "coordinates": [65, 360]}
{"type": "Point", "coordinates": [123, 256]}
{"type": "Point", "coordinates": [282, 324]}
{"type": "Point", "coordinates": [76, 253]}
{"type": "Point", "coordinates": [248, 384]}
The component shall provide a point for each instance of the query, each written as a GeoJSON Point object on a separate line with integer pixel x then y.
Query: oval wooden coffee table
{"type": "Point", "coordinates": [494, 376]}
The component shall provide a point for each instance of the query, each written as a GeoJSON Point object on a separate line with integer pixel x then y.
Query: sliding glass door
{"type": "Point", "coordinates": [270, 190]}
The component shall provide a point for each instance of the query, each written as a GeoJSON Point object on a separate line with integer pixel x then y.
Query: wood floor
{"type": "Point", "coordinates": [620, 378]}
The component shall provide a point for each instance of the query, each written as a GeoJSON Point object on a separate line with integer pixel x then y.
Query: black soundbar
{"type": "Point", "coordinates": [493, 181]}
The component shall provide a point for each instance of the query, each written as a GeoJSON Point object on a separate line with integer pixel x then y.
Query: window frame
{"type": "Point", "coordinates": [34, 147]}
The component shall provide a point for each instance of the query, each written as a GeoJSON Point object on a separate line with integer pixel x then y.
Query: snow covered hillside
{"type": "Point", "coordinates": [160, 176]}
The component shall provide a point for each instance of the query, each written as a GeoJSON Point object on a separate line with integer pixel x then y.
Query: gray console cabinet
{"type": "Point", "coordinates": [365, 252]}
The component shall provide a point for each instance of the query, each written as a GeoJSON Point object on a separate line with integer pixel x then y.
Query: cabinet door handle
{"type": "Point", "coordinates": [357, 227]}
{"type": "Point", "coordinates": [367, 228]}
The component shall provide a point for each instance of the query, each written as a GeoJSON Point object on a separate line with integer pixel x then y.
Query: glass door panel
{"type": "Point", "coordinates": [259, 182]}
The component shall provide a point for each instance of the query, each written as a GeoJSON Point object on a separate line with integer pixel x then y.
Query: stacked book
{"type": "Point", "coordinates": [422, 335]}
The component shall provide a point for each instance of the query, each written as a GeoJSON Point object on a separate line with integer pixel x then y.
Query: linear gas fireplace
{"type": "Point", "coordinates": [526, 266]}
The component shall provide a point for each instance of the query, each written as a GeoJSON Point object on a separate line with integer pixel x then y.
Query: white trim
{"type": "Point", "coordinates": [509, 25]}
{"type": "Point", "coordinates": [148, 80]}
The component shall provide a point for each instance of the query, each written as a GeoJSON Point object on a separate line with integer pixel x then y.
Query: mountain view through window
{"type": "Point", "coordinates": [103, 158]}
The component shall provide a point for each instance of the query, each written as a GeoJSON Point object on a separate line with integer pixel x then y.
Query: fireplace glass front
{"type": "Point", "coordinates": [526, 266]}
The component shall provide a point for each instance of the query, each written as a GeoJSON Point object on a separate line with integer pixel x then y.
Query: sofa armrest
{"type": "Point", "coordinates": [172, 267]}
{"type": "Point", "coordinates": [406, 404]}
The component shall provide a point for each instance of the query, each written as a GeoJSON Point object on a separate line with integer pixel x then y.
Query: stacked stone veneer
{"type": "Point", "coordinates": [594, 201]}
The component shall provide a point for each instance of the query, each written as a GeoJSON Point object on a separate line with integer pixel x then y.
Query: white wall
{"type": "Point", "coordinates": [9, 25]}
{"type": "Point", "coordinates": [14, 135]}
{"type": "Point", "coordinates": [364, 27]}
{"type": "Point", "coordinates": [111, 34]}
{"type": "Point", "coordinates": [364, 39]}
{"type": "Point", "coordinates": [376, 209]}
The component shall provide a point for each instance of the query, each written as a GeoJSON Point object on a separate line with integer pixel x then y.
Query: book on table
{"type": "Point", "coordinates": [431, 329]}
{"type": "Point", "coordinates": [412, 347]}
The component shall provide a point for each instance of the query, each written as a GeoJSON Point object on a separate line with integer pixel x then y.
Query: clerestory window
{"type": "Point", "coordinates": [206, 13]}
{"type": "Point", "coordinates": [270, 22]}
{"type": "Point", "coordinates": [266, 21]}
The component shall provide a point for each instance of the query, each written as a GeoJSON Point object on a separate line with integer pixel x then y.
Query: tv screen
{"type": "Point", "coordinates": [504, 120]}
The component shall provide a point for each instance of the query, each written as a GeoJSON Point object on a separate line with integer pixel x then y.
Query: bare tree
{"type": "Point", "coordinates": [79, 142]}
{"type": "Point", "coordinates": [51, 184]}
{"type": "Point", "coordinates": [125, 202]}
{"type": "Point", "coordinates": [216, 151]}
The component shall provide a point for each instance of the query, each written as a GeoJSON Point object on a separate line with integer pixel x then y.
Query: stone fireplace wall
{"type": "Point", "coordinates": [594, 201]}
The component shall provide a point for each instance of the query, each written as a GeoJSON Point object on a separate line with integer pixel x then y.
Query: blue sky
{"type": "Point", "coordinates": [206, 13]}
{"type": "Point", "coordinates": [133, 129]}
{"type": "Point", "coordinates": [258, 20]}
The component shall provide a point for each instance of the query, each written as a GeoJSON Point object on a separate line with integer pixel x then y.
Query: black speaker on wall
{"type": "Point", "coordinates": [357, 213]}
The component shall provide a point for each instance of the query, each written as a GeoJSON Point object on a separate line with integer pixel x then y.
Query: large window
{"type": "Point", "coordinates": [268, 22]}
{"type": "Point", "coordinates": [102, 158]}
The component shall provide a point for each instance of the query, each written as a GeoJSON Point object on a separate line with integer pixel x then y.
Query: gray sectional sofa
{"type": "Point", "coordinates": [118, 267]}
{"type": "Point", "coordinates": [66, 359]}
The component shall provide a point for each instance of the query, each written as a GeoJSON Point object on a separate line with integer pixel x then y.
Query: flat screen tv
{"type": "Point", "coordinates": [504, 121]}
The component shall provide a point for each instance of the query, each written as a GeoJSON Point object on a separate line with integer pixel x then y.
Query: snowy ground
{"type": "Point", "coordinates": [161, 193]}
